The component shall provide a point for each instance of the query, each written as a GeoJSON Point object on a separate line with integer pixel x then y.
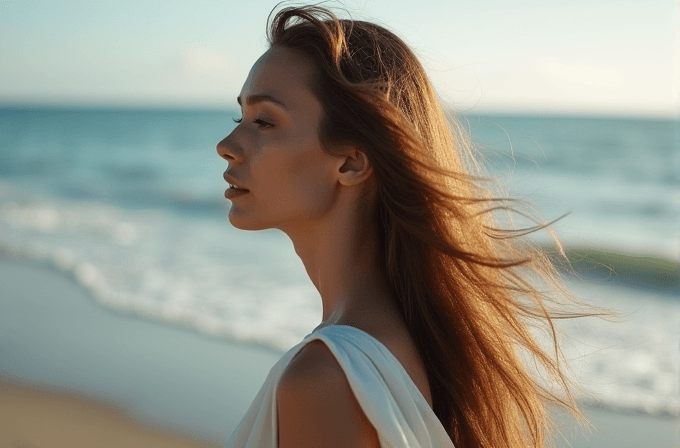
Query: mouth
{"type": "Point", "coordinates": [233, 192]}
{"type": "Point", "coordinates": [234, 187]}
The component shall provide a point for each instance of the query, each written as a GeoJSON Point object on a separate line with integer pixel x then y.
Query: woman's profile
{"type": "Point", "coordinates": [428, 305]}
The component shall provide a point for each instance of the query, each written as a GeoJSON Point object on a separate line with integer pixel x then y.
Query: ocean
{"type": "Point", "coordinates": [129, 203]}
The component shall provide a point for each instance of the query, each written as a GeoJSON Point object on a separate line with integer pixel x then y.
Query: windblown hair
{"type": "Point", "coordinates": [469, 291]}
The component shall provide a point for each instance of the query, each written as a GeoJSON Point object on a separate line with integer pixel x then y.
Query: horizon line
{"type": "Point", "coordinates": [613, 113]}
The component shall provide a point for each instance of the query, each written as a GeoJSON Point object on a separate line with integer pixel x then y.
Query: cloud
{"type": "Point", "coordinates": [569, 85]}
{"type": "Point", "coordinates": [203, 63]}
{"type": "Point", "coordinates": [579, 74]}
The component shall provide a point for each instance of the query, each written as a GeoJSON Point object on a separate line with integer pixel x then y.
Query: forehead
{"type": "Point", "coordinates": [281, 73]}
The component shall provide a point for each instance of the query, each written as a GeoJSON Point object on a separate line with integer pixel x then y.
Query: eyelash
{"type": "Point", "coordinates": [260, 123]}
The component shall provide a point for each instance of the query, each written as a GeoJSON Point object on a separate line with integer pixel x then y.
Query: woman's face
{"type": "Point", "coordinates": [275, 152]}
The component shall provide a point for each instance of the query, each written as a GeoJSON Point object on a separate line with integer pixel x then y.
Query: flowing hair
{"type": "Point", "coordinates": [470, 292]}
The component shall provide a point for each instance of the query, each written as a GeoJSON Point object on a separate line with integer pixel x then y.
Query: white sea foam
{"type": "Point", "coordinates": [251, 287]}
{"type": "Point", "coordinates": [633, 363]}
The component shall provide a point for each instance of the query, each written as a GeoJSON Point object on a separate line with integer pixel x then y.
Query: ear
{"type": "Point", "coordinates": [354, 167]}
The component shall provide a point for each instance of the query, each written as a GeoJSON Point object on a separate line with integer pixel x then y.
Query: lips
{"type": "Point", "coordinates": [231, 193]}
{"type": "Point", "coordinates": [234, 183]}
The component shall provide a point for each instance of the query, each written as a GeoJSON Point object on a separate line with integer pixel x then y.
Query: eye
{"type": "Point", "coordinates": [262, 124]}
{"type": "Point", "coordinates": [259, 122]}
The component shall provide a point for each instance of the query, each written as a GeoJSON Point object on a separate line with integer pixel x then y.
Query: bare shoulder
{"type": "Point", "coordinates": [316, 406]}
{"type": "Point", "coordinates": [314, 362]}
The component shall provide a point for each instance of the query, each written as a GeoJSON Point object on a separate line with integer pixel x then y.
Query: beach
{"type": "Point", "coordinates": [74, 373]}
{"type": "Point", "coordinates": [40, 417]}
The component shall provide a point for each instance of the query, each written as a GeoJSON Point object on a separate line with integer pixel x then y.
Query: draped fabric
{"type": "Point", "coordinates": [389, 398]}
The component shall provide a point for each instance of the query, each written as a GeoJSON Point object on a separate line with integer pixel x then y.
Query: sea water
{"type": "Point", "coordinates": [130, 204]}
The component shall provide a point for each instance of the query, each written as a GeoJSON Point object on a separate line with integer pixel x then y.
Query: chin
{"type": "Point", "coordinates": [246, 224]}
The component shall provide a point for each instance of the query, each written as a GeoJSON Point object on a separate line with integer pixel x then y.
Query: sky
{"type": "Point", "coordinates": [603, 57]}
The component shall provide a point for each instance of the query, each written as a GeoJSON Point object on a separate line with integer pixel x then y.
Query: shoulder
{"type": "Point", "coordinates": [312, 363]}
{"type": "Point", "coordinates": [316, 405]}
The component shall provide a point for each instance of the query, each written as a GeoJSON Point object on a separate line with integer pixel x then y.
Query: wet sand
{"type": "Point", "coordinates": [32, 418]}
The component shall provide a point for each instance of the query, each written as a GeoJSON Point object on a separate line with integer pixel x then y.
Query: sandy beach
{"type": "Point", "coordinates": [74, 373]}
{"type": "Point", "coordinates": [34, 417]}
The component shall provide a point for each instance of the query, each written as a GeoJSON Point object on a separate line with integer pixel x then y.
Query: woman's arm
{"type": "Point", "coordinates": [316, 406]}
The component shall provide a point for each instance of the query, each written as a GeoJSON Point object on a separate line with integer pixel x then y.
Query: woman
{"type": "Point", "coordinates": [344, 146]}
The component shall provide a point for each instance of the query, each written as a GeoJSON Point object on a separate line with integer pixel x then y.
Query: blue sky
{"type": "Point", "coordinates": [581, 56]}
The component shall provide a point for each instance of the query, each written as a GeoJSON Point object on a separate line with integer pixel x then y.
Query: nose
{"type": "Point", "coordinates": [228, 149]}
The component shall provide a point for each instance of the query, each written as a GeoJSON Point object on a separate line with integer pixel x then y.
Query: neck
{"type": "Point", "coordinates": [340, 255]}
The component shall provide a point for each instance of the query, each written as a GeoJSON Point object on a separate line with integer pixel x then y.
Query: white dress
{"type": "Point", "coordinates": [389, 398]}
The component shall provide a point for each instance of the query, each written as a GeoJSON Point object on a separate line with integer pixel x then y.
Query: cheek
{"type": "Point", "coordinates": [295, 178]}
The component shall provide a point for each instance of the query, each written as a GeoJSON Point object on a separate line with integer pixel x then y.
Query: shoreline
{"type": "Point", "coordinates": [34, 416]}
{"type": "Point", "coordinates": [170, 381]}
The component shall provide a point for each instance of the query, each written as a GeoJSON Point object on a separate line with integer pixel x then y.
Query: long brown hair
{"type": "Point", "coordinates": [470, 292]}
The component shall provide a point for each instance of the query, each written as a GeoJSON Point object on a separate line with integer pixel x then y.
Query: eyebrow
{"type": "Point", "coordinates": [255, 99]}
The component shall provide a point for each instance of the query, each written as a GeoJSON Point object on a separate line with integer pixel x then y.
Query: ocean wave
{"type": "Point", "coordinates": [202, 274]}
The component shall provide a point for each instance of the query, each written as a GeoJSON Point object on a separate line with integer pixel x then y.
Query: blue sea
{"type": "Point", "coordinates": [130, 204]}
